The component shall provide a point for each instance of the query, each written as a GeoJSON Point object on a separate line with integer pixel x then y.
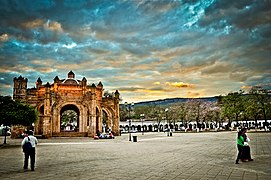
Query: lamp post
{"type": "Point", "coordinates": [166, 110]}
{"type": "Point", "coordinates": [129, 108]}
{"type": "Point", "coordinates": [142, 116]}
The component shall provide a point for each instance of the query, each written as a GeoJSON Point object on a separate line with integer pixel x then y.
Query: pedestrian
{"type": "Point", "coordinates": [31, 152]}
{"type": "Point", "coordinates": [240, 144]}
{"type": "Point", "coordinates": [246, 155]}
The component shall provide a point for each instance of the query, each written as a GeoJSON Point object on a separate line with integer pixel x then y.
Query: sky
{"type": "Point", "coordinates": [147, 50]}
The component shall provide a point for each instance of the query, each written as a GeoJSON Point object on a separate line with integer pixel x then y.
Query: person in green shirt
{"type": "Point", "coordinates": [240, 144]}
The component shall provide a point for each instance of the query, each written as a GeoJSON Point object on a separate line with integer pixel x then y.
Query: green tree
{"type": "Point", "coordinates": [16, 113]}
{"type": "Point", "coordinates": [262, 98]}
{"type": "Point", "coordinates": [233, 105]}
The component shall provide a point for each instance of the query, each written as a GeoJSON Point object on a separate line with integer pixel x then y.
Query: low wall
{"type": "Point", "coordinates": [70, 134]}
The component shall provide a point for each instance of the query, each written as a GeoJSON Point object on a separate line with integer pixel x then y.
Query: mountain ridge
{"type": "Point", "coordinates": [173, 100]}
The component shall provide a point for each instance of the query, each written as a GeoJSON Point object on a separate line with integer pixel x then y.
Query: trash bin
{"type": "Point", "coordinates": [134, 138]}
{"type": "Point", "coordinates": [170, 134]}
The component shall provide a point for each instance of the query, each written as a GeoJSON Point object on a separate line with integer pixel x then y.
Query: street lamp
{"type": "Point", "coordinates": [166, 110]}
{"type": "Point", "coordinates": [142, 116]}
{"type": "Point", "coordinates": [129, 108]}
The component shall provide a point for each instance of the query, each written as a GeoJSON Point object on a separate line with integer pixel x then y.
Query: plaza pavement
{"type": "Point", "coordinates": [195, 156]}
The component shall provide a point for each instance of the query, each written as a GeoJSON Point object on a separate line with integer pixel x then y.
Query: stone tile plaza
{"type": "Point", "coordinates": [195, 156]}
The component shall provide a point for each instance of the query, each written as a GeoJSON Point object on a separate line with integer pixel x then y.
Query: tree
{"type": "Point", "coordinates": [69, 118]}
{"type": "Point", "coordinates": [16, 113]}
{"type": "Point", "coordinates": [262, 97]}
{"type": "Point", "coordinates": [233, 105]}
{"type": "Point", "coordinates": [178, 112]}
{"type": "Point", "coordinates": [194, 110]}
{"type": "Point", "coordinates": [157, 113]}
{"type": "Point", "coordinates": [252, 109]}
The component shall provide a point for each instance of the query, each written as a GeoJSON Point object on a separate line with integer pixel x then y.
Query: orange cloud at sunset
{"type": "Point", "coordinates": [51, 25]}
{"type": "Point", "coordinates": [33, 24]}
{"type": "Point", "coordinates": [180, 84]}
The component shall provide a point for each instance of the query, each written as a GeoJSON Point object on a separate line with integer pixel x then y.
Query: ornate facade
{"type": "Point", "coordinates": [92, 110]}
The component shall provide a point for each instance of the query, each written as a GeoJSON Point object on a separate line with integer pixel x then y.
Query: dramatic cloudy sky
{"type": "Point", "coordinates": [147, 50]}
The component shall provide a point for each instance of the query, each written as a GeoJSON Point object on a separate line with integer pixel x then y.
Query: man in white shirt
{"type": "Point", "coordinates": [31, 152]}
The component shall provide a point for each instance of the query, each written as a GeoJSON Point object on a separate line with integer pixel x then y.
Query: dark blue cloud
{"type": "Point", "coordinates": [137, 43]}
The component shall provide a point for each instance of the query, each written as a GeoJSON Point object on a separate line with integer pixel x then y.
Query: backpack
{"type": "Point", "coordinates": [27, 146]}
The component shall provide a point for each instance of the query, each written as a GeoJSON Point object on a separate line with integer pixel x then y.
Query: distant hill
{"type": "Point", "coordinates": [168, 101]}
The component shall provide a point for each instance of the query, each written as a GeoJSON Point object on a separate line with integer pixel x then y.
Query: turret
{"type": "Point", "coordinates": [84, 81]}
{"type": "Point", "coordinates": [99, 92]}
{"type": "Point", "coordinates": [56, 79]}
{"type": "Point", "coordinates": [20, 88]}
{"type": "Point", "coordinates": [38, 83]}
{"type": "Point", "coordinates": [71, 75]}
{"type": "Point", "coordinates": [117, 94]}
{"type": "Point", "coordinates": [100, 85]}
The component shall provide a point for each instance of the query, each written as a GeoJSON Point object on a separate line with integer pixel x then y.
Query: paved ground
{"type": "Point", "coordinates": [209, 155]}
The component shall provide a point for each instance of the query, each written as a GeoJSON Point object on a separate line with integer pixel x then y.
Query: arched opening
{"type": "Point", "coordinates": [138, 128]}
{"type": "Point", "coordinates": [126, 128]}
{"type": "Point", "coordinates": [144, 127]}
{"type": "Point", "coordinates": [39, 124]}
{"type": "Point", "coordinates": [155, 128]}
{"type": "Point", "coordinates": [150, 128]}
{"type": "Point", "coordinates": [161, 127]}
{"type": "Point", "coordinates": [105, 121]}
{"type": "Point", "coordinates": [69, 118]}
{"type": "Point", "coordinates": [97, 120]}
{"type": "Point", "coordinates": [41, 110]}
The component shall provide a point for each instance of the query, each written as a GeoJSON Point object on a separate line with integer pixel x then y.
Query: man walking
{"type": "Point", "coordinates": [31, 151]}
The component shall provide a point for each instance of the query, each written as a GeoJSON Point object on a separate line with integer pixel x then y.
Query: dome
{"type": "Point", "coordinates": [71, 81]}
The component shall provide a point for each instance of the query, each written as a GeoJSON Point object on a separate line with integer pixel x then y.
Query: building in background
{"type": "Point", "coordinates": [70, 107]}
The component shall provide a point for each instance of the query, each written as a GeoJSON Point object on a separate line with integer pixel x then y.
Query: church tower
{"type": "Point", "coordinates": [20, 88]}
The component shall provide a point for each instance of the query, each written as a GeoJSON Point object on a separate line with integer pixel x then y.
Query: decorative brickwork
{"type": "Point", "coordinates": [87, 100]}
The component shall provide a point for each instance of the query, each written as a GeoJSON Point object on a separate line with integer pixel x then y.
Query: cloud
{"type": "Point", "coordinates": [4, 37]}
{"type": "Point", "coordinates": [157, 6]}
{"type": "Point", "coordinates": [149, 49]}
{"type": "Point", "coordinates": [217, 67]}
{"type": "Point", "coordinates": [243, 15]}
{"type": "Point", "coordinates": [53, 26]}
{"type": "Point", "coordinates": [37, 23]}
{"type": "Point", "coordinates": [180, 84]}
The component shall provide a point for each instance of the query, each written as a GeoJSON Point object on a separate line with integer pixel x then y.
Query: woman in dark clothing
{"type": "Point", "coordinates": [246, 156]}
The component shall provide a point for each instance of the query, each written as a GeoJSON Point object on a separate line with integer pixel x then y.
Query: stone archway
{"type": "Point", "coordinates": [69, 118]}
{"type": "Point", "coordinates": [107, 120]}
{"type": "Point", "coordinates": [76, 95]}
